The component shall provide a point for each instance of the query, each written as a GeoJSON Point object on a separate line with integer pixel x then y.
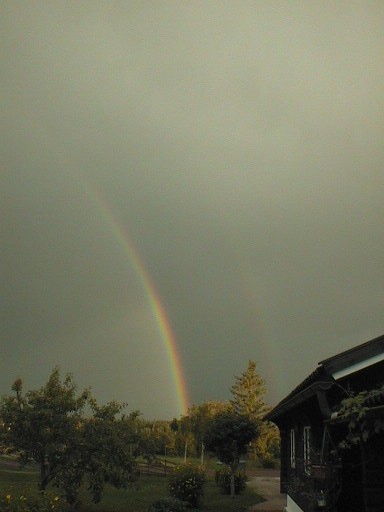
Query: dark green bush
{"type": "Point", "coordinates": [186, 484]}
{"type": "Point", "coordinates": [223, 480]}
{"type": "Point", "coordinates": [31, 501]}
{"type": "Point", "coordinates": [169, 505]}
{"type": "Point", "coordinates": [268, 462]}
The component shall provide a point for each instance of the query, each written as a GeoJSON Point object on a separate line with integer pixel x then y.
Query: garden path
{"type": "Point", "coordinates": [267, 483]}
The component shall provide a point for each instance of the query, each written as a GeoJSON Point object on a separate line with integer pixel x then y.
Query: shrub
{"type": "Point", "coordinates": [186, 484]}
{"type": "Point", "coordinates": [31, 502]}
{"type": "Point", "coordinates": [223, 480]}
{"type": "Point", "coordinates": [168, 505]}
{"type": "Point", "coordinates": [268, 462]}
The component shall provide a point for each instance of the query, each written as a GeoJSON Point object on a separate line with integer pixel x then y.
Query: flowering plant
{"type": "Point", "coordinates": [31, 502]}
{"type": "Point", "coordinates": [186, 484]}
{"type": "Point", "coordinates": [223, 480]}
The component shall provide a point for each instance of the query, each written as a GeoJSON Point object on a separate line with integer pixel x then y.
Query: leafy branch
{"type": "Point", "coordinates": [358, 411]}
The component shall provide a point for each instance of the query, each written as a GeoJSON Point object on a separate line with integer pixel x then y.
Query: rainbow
{"type": "Point", "coordinates": [121, 234]}
{"type": "Point", "coordinates": [158, 311]}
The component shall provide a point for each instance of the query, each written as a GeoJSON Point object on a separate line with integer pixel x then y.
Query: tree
{"type": "Point", "coordinates": [48, 426]}
{"type": "Point", "coordinates": [109, 445]}
{"type": "Point", "coordinates": [157, 438]}
{"type": "Point", "coordinates": [42, 424]}
{"type": "Point", "coordinates": [249, 398]}
{"type": "Point", "coordinates": [249, 392]}
{"type": "Point", "coordinates": [199, 417]}
{"type": "Point", "coordinates": [183, 435]}
{"type": "Point", "coordinates": [228, 437]}
{"type": "Point", "coordinates": [267, 444]}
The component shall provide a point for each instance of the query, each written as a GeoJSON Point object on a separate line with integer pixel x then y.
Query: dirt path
{"type": "Point", "coordinates": [267, 483]}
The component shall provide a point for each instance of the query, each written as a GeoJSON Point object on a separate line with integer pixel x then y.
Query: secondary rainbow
{"type": "Point", "coordinates": [153, 298]}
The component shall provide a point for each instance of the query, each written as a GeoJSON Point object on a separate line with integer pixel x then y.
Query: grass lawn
{"type": "Point", "coordinates": [135, 499]}
{"type": "Point", "coordinates": [153, 488]}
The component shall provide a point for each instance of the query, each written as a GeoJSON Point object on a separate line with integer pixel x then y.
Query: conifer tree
{"type": "Point", "coordinates": [248, 393]}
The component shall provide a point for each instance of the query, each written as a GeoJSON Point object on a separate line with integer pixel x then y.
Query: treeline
{"type": "Point", "coordinates": [74, 440]}
{"type": "Point", "coordinates": [248, 398]}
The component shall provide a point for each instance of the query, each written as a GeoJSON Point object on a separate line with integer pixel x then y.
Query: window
{"type": "Point", "coordinates": [307, 449]}
{"type": "Point", "coordinates": [293, 448]}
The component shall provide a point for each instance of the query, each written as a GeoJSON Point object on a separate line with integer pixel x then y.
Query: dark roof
{"type": "Point", "coordinates": [354, 355]}
{"type": "Point", "coordinates": [317, 380]}
{"type": "Point", "coordinates": [322, 379]}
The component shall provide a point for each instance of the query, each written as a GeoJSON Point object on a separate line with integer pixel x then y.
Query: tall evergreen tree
{"type": "Point", "coordinates": [248, 393]}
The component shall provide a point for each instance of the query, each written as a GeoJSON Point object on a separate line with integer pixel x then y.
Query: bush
{"type": "Point", "coordinates": [268, 462]}
{"type": "Point", "coordinates": [31, 502]}
{"type": "Point", "coordinates": [186, 484]}
{"type": "Point", "coordinates": [223, 480]}
{"type": "Point", "coordinates": [169, 505]}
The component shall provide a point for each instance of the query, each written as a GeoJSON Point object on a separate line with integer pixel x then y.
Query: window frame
{"type": "Point", "coordinates": [307, 449]}
{"type": "Point", "coordinates": [292, 437]}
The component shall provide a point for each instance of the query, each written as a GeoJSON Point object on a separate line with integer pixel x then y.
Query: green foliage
{"type": "Point", "coordinates": [361, 423]}
{"type": "Point", "coordinates": [39, 424]}
{"type": "Point", "coordinates": [229, 435]}
{"type": "Point", "coordinates": [187, 484]}
{"type": "Point", "coordinates": [267, 445]}
{"type": "Point", "coordinates": [138, 498]}
{"type": "Point", "coordinates": [249, 392]}
{"type": "Point", "coordinates": [169, 505]}
{"type": "Point", "coordinates": [198, 420]}
{"type": "Point", "coordinates": [248, 398]}
{"type": "Point", "coordinates": [156, 438]}
{"type": "Point", "coordinates": [32, 502]}
{"type": "Point", "coordinates": [108, 451]}
{"type": "Point", "coordinates": [223, 480]}
{"type": "Point", "coordinates": [48, 427]}
{"type": "Point", "coordinates": [268, 461]}
{"type": "Point", "coordinates": [184, 441]}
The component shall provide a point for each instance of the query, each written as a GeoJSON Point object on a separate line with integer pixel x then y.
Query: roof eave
{"type": "Point", "coordinates": [303, 395]}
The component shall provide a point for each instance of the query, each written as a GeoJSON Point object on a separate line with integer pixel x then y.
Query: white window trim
{"type": "Point", "coordinates": [307, 449]}
{"type": "Point", "coordinates": [293, 448]}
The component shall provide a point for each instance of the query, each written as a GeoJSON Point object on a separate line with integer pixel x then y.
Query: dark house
{"type": "Point", "coordinates": [332, 434]}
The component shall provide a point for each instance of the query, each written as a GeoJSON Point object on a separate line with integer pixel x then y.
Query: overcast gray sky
{"type": "Point", "coordinates": [239, 146]}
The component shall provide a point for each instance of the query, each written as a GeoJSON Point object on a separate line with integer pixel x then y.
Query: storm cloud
{"type": "Point", "coordinates": [239, 145]}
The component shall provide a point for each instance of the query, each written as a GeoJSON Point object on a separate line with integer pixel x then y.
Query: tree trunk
{"type": "Point", "coordinates": [232, 482]}
{"type": "Point", "coordinates": [185, 451]}
{"type": "Point", "coordinates": [233, 467]}
{"type": "Point", "coordinates": [43, 474]}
